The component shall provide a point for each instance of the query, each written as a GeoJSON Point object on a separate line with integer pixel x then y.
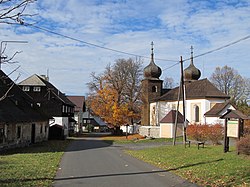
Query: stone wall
{"type": "Point", "coordinates": [150, 131]}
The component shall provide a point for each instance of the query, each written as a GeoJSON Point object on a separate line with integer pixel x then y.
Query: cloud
{"type": "Point", "coordinates": [128, 26]}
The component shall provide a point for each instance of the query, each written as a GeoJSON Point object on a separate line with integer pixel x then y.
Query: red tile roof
{"type": "Point", "coordinates": [216, 110]}
{"type": "Point", "coordinates": [170, 117]}
{"type": "Point", "coordinates": [79, 101]}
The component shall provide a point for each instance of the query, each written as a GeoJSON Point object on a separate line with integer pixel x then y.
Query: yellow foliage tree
{"type": "Point", "coordinates": [105, 104]}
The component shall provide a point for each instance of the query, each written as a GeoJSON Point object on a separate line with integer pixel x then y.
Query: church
{"type": "Point", "coordinates": [204, 103]}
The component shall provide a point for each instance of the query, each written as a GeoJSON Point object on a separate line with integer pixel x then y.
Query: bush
{"type": "Point", "coordinates": [215, 134]}
{"type": "Point", "coordinates": [243, 145]}
{"type": "Point", "coordinates": [246, 129]}
{"type": "Point", "coordinates": [198, 132]}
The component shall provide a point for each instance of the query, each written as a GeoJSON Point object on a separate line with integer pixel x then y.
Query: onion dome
{"type": "Point", "coordinates": [191, 73]}
{"type": "Point", "coordinates": [152, 70]}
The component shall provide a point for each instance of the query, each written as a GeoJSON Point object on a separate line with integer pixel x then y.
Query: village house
{"type": "Point", "coordinates": [93, 123]}
{"type": "Point", "coordinates": [52, 102]}
{"type": "Point", "coordinates": [204, 103]}
{"type": "Point", "coordinates": [21, 121]}
{"type": "Point", "coordinates": [80, 108]}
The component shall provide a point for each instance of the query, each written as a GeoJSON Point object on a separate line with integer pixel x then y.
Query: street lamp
{"type": "Point", "coordinates": [7, 41]}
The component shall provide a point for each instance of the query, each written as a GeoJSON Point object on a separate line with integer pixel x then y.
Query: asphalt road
{"type": "Point", "coordinates": [90, 162]}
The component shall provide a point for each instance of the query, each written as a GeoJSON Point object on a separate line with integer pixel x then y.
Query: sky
{"type": "Point", "coordinates": [128, 26]}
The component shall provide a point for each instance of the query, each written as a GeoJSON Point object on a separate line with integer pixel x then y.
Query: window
{"type": "Point", "coordinates": [37, 89]}
{"type": "Point", "coordinates": [26, 88]}
{"type": "Point", "coordinates": [18, 132]}
{"type": "Point", "coordinates": [1, 134]}
{"type": "Point", "coordinates": [38, 104]}
{"type": "Point", "coordinates": [197, 113]}
{"type": "Point", "coordinates": [41, 129]}
{"type": "Point", "coordinates": [154, 89]}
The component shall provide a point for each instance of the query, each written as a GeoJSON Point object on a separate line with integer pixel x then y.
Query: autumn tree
{"type": "Point", "coordinates": [14, 11]}
{"type": "Point", "coordinates": [121, 82]}
{"type": "Point", "coordinates": [229, 81]}
{"type": "Point", "coordinates": [105, 104]}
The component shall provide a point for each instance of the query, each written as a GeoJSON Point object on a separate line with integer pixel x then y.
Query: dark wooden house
{"type": "Point", "coordinates": [52, 102]}
{"type": "Point", "coordinates": [21, 121]}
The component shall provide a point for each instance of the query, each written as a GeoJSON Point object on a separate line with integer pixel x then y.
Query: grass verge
{"type": "Point", "coordinates": [31, 166]}
{"type": "Point", "coordinates": [136, 138]}
{"type": "Point", "coordinates": [206, 167]}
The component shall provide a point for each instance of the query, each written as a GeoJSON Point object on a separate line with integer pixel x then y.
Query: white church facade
{"type": "Point", "coordinates": [204, 103]}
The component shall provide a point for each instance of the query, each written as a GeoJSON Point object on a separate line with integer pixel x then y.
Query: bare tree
{"type": "Point", "coordinates": [124, 77]}
{"type": "Point", "coordinates": [169, 83]}
{"type": "Point", "coordinates": [4, 58]}
{"type": "Point", "coordinates": [231, 83]}
{"type": "Point", "coordinates": [13, 11]}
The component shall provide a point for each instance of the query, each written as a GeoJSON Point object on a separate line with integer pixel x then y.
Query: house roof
{"type": "Point", "coordinates": [36, 80]}
{"type": "Point", "coordinates": [199, 89]}
{"type": "Point", "coordinates": [234, 114]}
{"type": "Point", "coordinates": [216, 110]}
{"type": "Point", "coordinates": [170, 117]}
{"type": "Point", "coordinates": [79, 102]}
{"type": "Point", "coordinates": [16, 105]}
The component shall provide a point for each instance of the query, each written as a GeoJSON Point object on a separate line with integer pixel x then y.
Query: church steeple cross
{"type": "Point", "coordinates": [152, 51]}
{"type": "Point", "coordinates": [192, 54]}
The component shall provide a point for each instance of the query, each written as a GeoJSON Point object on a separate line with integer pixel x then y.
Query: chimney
{"type": "Point", "coordinates": [44, 77]}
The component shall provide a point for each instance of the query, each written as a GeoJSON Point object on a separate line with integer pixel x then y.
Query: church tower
{"type": "Point", "coordinates": [191, 73]}
{"type": "Point", "coordinates": [151, 87]}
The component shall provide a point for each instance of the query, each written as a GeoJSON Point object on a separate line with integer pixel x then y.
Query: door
{"type": "Point", "coordinates": [33, 133]}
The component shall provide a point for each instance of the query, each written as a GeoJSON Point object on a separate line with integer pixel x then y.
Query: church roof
{"type": "Point", "coordinates": [152, 71]}
{"type": "Point", "coordinates": [216, 110]}
{"type": "Point", "coordinates": [191, 73]}
{"type": "Point", "coordinates": [199, 89]}
{"type": "Point", "coordinates": [170, 117]}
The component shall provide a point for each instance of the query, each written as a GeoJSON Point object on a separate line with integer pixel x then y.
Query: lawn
{"type": "Point", "coordinates": [207, 166]}
{"type": "Point", "coordinates": [136, 138]}
{"type": "Point", "coordinates": [31, 166]}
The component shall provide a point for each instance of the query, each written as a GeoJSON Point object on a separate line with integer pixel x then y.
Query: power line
{"type": "Point", "coordinates": [95, 45]}
{"type": "Point", "coordinates": [136, 55]}
{"type": "Point", "coordinates": [220, 48]}
{"type": "Point", "coordinates": [171, 66]}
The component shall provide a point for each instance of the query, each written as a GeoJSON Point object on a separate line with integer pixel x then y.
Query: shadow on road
{"type": "Point", "coordinates": [111, 174]}
{"type": "Point", "coordinates": [82, 144]}
{"type": "Point", "coordinates": [59, 145]}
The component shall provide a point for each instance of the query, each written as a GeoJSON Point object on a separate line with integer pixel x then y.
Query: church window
{"type": "Point", "coordinates": [197, 113]}
{"type": "Point", "coordinates": [154, 89]}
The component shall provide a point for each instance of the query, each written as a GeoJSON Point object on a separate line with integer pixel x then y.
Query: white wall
{"type": "Point", "coordinates": [64, 122]}
{"type": "Point", "coordinates": [163, 108]}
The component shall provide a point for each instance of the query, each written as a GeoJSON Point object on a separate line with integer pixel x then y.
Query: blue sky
{"type": "Point", "coordinates": [129, 26]}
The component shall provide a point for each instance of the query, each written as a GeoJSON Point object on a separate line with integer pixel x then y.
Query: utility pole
{"type": "Point", "coordinates": [177, 110]}
{"type": "Point", "coordinates": [183, 100]}
{"type": "Point", "coordinates": [7, 41]}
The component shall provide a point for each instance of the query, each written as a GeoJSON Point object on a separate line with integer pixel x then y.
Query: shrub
{"type": "Point", "coordinates": [215, 134]}
{"type": "Point", "coordinates": [243, 145]}
{"type": "Point", "coordinates": [246, 129]}
{"type": "Point", "coordinates": [198, 132]}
